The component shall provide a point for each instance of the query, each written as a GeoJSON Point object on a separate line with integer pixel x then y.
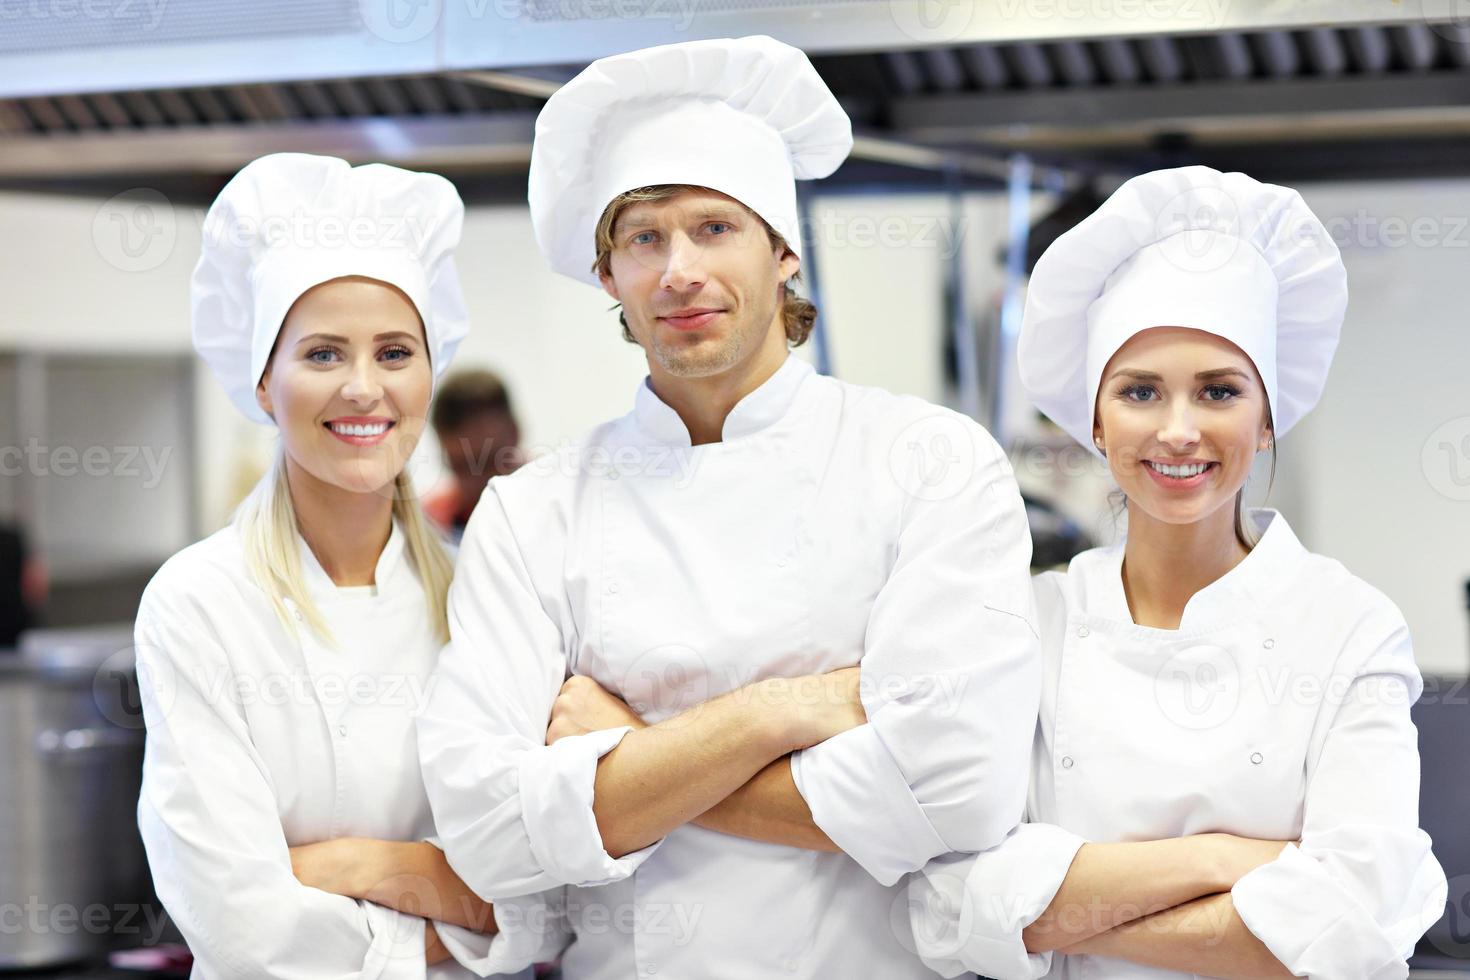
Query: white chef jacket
{"type": "Point", "coordinates": [834, 525]}
{"type": "Point", "coordinates": [258, 742]}
{"type": "Point", "coordinates": [1279, 710]}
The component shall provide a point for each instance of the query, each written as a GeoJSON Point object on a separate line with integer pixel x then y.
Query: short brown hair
{"type": "Point", "coordinates": [464, 395]}
{"type": "Point", "coordinates": [798, 314]}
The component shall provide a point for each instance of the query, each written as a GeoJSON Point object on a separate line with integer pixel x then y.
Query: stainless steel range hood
{"type": "Point", "coordinates": [93, 92]}
{"type": "Point", "coordinates": [53, 47]}
{"type": "Point", "coordinates": [528, 32]}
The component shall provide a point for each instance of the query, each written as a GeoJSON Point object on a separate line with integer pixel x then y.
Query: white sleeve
{"type": "Point", "coordinates": [951, 681]}
{"type": "Point", "coordinates": [528, 929]}
{"type": "Point", "coordinates": [514, 814]}
{"type": "Point", "coordinates": [968, 910]}
{"type": "Point", "coordinates": [1363, 886]}
{"type": "Point", "coordinates": [216, 849]}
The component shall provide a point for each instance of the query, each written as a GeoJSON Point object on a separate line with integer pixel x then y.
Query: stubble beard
{"type": "Point", "coordinates": [710, 357]}
{"type": "Point", "coordinates": [700, 360]}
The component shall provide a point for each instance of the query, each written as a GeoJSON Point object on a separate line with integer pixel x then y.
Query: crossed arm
{"type": "Point", "coordinates": [412, 877]}
{"type": "Point", "coordinates": [1162, 903]}
{"type": "Point", "coordinates": [740, 782]}
{"type": "Point", "coordinates": [735, 788]}
{"type": "Point", "coordinates": [1204, 936]}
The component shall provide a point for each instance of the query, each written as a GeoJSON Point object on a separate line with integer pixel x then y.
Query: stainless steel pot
{"type": "Point", "coordinates": [73, 877]}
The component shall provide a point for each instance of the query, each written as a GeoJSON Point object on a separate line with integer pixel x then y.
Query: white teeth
{"type": "Point", "coordinates": [1179, 472]}
{"type": "Point", "coordinates": [359, 430]}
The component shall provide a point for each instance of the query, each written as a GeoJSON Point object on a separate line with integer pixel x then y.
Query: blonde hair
{"type": "Point", "coordinates": [798, 314]}
{"type": "Point", "coordinates": [266, 523]}
{"type": "Point", "coordinates": [1245, 529]}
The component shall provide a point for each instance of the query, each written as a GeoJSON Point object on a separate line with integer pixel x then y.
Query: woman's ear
{"type": "Point", "coordinates": [263, 395]}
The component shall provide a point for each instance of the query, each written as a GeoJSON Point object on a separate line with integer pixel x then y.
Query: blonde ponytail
{"type": "Point", "coordinates": [425, 548]}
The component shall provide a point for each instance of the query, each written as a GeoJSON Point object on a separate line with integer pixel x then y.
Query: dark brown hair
{"type": "Point", "coordinates": [464, 395]}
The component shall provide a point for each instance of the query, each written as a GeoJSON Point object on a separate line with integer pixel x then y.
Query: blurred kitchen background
{"type": "Point", "coordinates": [984, 128]}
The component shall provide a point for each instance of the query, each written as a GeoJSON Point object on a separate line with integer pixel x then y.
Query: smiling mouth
{"type": "Point", "coordinates": [360, 433]}
{"type": "Point", "coordinates": [1184, 474]}
{"type": "Point", "coordinates": [692, 320]}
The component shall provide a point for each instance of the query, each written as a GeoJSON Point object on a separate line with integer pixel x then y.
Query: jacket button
{"type": "Point", "coordinates": [1083, 632]}
{"type": "Point", "coordinates": [1256, 758]}
{"type": "Point", "coordinates": [1269, 643]}
{"type": "Point", "coordinates": [342, 730]}
{"type": "Point", "coordinates": [1066, 762]}
{"type": "Point", "coordinates": [612, 587]}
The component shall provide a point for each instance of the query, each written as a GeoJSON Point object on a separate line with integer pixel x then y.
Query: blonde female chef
{"type": "Point", "coordinates": [284, 658]}
{"type": "Point", "coordinates": [1225, 777]}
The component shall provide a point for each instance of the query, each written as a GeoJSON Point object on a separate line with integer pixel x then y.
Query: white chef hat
{"type": "Point", "coordinates": [1189, 247]}
{"type": "Point", "coordinates": [290, 221]}
{"type": "Point", "coordinates": [746, 117]}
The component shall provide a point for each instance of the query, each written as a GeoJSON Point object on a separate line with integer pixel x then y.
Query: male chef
{"type": "Point", "coordinates": [815, 594]}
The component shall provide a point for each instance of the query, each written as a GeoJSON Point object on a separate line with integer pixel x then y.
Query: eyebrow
{"type": "Point", "coordinates": [339, 339]}
{"type": "Point", "coordinates": [1199, 376]}
{"type": "Point", "coordinates": [645, 220]}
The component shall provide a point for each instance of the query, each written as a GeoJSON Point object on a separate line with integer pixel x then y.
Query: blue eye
{"type": "Point", "coordinates": [398, 349]}
{"type": "Point", "coordinates": [643, 238]}
{"type": "Point", "coordinates": [312, 355]}
{"type": "Point", "coordinates": [718, 224]}
{"type": "Point", "coordinates": [1136, 393]}
{"type": "Point", "coordinates": [1225, 393]}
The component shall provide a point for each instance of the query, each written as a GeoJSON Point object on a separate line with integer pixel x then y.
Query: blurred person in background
{"type": "Point", "coordinates": [22, 586]}
{"type": "Point", "coordinates": [480, 439]}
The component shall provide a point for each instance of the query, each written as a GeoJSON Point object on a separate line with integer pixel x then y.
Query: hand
{"type": "Point", "coordinates": [813, 708]}
{"type": "Point", "coordinates": [435, 951]}
{"type": "Point", "coordinates": [331, 865]}
{"type": "Point", "coordinates": [583, 706]}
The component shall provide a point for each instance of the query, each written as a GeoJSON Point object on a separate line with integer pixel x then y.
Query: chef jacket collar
{"type": "Point", "coordinates": [320, 583]}
{"type": "Point", "coordinates": [1253, 583]}
{"type": "Point", "coordinates": [757, 410]}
